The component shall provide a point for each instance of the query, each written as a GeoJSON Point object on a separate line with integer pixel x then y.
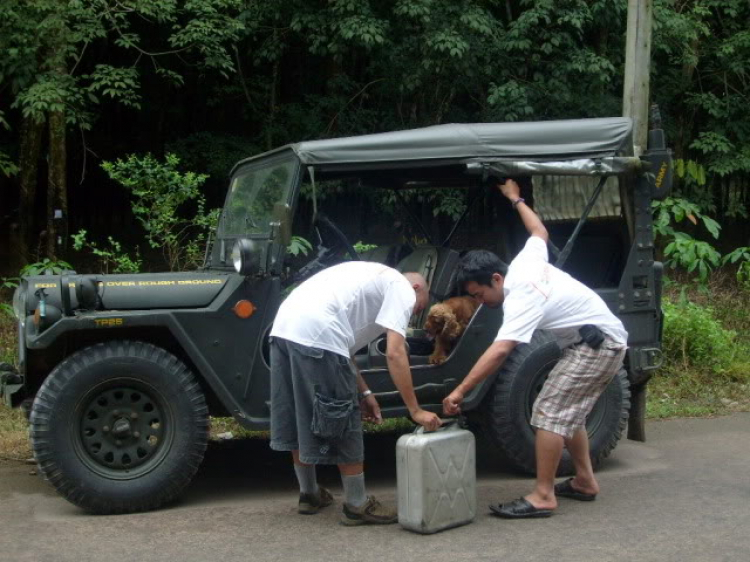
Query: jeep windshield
{"type": "Point", "coordinates": [255, 193]}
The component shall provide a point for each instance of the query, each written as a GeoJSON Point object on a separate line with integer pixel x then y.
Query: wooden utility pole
{"type": "Point", "coordinates": [635, 96]}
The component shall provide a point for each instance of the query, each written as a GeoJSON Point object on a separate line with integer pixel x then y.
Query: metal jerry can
{"type": "Point", "coordinates": [437, 478]}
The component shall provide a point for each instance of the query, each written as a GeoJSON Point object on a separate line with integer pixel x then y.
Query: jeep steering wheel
{"type": "Point", "coordinates": [333, 238]}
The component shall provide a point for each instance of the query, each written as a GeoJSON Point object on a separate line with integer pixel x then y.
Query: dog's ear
{"type": "Point", "coordinates": [452, 328]}
{"type": "Point", "coordinates": [435, 318]}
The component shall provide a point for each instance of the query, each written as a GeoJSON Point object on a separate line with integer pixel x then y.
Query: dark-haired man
{"type": "Point", "coordinates": [536, 295]}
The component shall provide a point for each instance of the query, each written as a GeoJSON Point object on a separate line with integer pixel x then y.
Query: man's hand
{"type": "Point", "coordinates": [371, 410]}
{"type": "Point", "coordinates": [426, 419]}
{"type": "Point", "coordinates": [452, 403]}
{"type": "Point", "coordinates": [510, 189]}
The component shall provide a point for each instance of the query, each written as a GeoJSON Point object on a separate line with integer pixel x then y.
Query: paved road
{"type": "Point", "coordinates": [682, 496]}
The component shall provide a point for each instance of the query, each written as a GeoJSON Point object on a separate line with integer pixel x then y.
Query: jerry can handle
{"type": "Point", "coordinates": [447, 424]}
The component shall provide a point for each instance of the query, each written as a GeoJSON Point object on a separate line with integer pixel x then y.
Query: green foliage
{"type": "Point", "coordinates": [682, 250]}
{"type": "Point", "coordinates": [673, 210]}
{"type": "Point", "coordinates": [320, 68]}
{"type": "Point", "coordinates": [169, 205]}
{"type": "Point", "coordinates": [396, 64]}
{"type": "Point", "coordinates": [693, 337]}
{"type": "Point", "coordinates": [741, 257]}
{"type": "Point", "coordinates": [693, 255]}
{"type": "Point", "coordinates": [7, 166]}
{"type": "Point", "coordinates": [44, 42]}
{"type": "Point", "coordinates": [119, 84]}
{"type": "Point", "coordinates": [112, 258]}
{"type": "Point", "coordinates": [361, 247]}
{"type": "Point", "coordinates": [7, 284]}
{"type": "Point", "coordinates": [299, 246]}
{"type": "Point", "coordinates": [706, 350]}
{"type": "Point", "coordinates": [701, 54]}
{"type": "Point", "coordinates": [691, 184]}
{"type": "Point", "coordinates": [450, 203]}
{"type": "Point", "coordinates": [8, 341]}
{"type": "Point", "coordinates": [46, 267]}
{"type": "Point", "coordinates": [43, 267]}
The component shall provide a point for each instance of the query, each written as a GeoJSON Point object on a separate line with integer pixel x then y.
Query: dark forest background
{"type": "Point", "coordinates": [214, 81]}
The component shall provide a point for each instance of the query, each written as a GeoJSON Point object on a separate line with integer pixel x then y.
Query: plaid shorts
{"type": "Point", "coordinates": [574, 385]}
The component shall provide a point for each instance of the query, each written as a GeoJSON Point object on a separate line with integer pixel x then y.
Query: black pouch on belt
{"type": "Point", "coordinates": [592, 335]}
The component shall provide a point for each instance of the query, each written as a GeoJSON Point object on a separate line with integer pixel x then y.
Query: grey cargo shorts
{"type": "Point", "coordinates": [314, 407]}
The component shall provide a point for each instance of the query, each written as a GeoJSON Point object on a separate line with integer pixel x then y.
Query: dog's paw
{"type": "Point", "coordinates": [437, 359]}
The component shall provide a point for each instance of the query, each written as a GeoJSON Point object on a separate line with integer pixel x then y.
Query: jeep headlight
{"type": "Point", "coordinates": [244, 256]}
{"type": "Point", "coordinates": [19, 304]}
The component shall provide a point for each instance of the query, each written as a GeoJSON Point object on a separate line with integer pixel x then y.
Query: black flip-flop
{"type": "Point", "coordinates": [519, 509]}
{"type": "Point", "coordinates": [566, 490]}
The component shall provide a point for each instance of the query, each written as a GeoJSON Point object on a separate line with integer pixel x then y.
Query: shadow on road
{"type": "Point", "coordinates": [244, 468]}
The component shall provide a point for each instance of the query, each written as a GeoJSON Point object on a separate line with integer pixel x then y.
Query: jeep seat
{"type": "Point", "coordinates": [438, 267]}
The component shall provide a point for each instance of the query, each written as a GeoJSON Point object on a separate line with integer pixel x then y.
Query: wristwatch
{"type": "Point", "coordinates": [365, 394]}
{"type": "Point", "coordinates": [515, 202]}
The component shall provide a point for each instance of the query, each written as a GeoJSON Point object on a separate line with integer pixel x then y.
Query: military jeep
{"type": "Point", "coordinates": [126, 370]}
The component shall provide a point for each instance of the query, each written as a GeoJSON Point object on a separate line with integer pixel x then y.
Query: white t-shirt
{"type": "Point", "coordinates": [540, 296]}
{"type": "Point", "coordinates": [345, 307]}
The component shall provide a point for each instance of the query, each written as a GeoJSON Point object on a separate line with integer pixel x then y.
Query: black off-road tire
{"type": "Point", "coordinates": [120, 427]}
{"type": "Point", "coordinates": [506, 411]}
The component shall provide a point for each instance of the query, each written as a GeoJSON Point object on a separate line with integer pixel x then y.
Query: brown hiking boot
{"type": "Point", "coordinates": [371, 512]}
{"type": "Point", "coordinates": [312, 503]}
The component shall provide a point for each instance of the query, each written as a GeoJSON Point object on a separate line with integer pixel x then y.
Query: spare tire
{"type": "Point", "coordinates": [505, 413]}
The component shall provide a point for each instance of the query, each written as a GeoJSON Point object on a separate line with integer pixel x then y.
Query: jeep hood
{"type": "Point", "coordinates": [128, 292]}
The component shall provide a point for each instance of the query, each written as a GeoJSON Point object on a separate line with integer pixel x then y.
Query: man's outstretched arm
{"type": "Point", "coordinates": [490, 361]}
{"type": "Point", "coordinates": [531, 221]}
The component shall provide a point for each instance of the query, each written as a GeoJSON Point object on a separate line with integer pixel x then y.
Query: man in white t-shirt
{"type": "Point", "coordinates": [318, 397]}
{"type": "Point", "coordinates": [536, 295]}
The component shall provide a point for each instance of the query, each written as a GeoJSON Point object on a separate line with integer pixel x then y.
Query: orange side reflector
{"type": "Point", "coordinates": [244, 309]}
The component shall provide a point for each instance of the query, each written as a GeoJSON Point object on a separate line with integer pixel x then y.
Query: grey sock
{"type": "Point", "coordinates": [354, 489]}
{"type": "Point", "coordinates": [307, 478]}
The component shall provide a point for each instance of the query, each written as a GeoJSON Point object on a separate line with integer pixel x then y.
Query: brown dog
{"type": "Point", "coordinates": [446, 321]}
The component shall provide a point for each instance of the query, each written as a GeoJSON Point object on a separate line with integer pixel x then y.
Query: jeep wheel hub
{"type": "Point", "coordinates": [122, 429]}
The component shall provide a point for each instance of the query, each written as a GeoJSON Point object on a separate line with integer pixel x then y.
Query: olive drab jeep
{"type": "Point", "coordinates": [126, 370]}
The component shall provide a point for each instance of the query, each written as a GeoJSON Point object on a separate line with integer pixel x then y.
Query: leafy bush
{"type": "Point", "coordinates": [741, 257]}
{"type": "Point", "coordinates": [299, 246]}
{"type": "Point", "coordinates": [161, 194]}
{"type": "Point", "coordinates": [45, 267]}
{"type": "Point", "coordinates": [694, 338]}
{"type": "Point", "coordinates": [8, 337]}
{"type": "Point", "coordinates": [112, 257]}
{"type": "Point", "coordinates": [682, 250]}
{"type": "Point", "coordinates": [362, 247]}
{"type": "Point", "coordinates": [7, 284]}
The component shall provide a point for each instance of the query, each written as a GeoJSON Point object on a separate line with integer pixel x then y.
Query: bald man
{"type": "Point", "coordinates": [319, 398]}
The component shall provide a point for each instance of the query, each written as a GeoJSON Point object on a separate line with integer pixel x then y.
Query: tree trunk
{"type": "Point", "coordinates": [272, 98]}
{"type": "Point", "coordinates": [31, 144]}
{"type": "Point", "coordinates": [57, 189]}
